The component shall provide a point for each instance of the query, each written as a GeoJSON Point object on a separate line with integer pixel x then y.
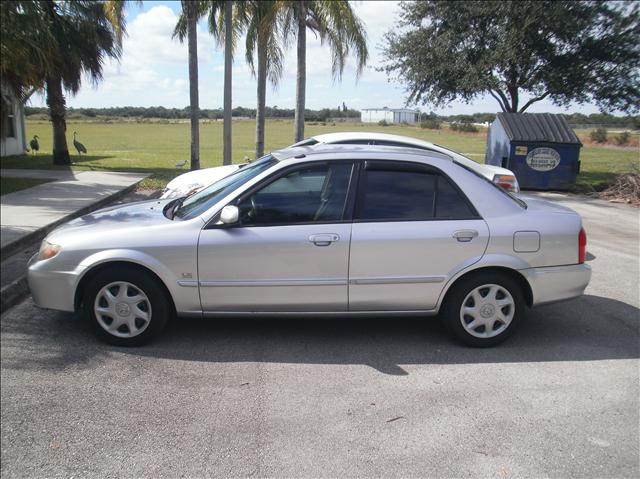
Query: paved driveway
{"type": "Point", "coordinates": [351, 397]}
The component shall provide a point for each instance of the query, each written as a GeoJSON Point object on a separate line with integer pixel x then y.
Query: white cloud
{"type": "Point", "coordinates": [154, 69]}
{"type": "Point", "coordinates": [149, 39]}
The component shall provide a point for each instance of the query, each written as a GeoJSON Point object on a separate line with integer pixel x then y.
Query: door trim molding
{"type": "Point", "coordinates": [316, 282]}
{"type": "Point", "coordinates": [397, 280]}
{"type": "Point", "coordinates": [277, 282]}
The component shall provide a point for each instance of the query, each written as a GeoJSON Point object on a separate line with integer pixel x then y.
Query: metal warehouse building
{"type": "Point", "coordinates": [390, 115]}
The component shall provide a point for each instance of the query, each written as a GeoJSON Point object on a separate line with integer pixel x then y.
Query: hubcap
{"type": "Point", "coordinates": [122, 309]}
{"type": "Point", "coordinates": [487, 311]}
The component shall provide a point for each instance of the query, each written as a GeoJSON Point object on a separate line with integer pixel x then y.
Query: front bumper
{"type": "Point", "coordinates": [557, 283]}
{"type": "Point", "coordinates": [51, 289]}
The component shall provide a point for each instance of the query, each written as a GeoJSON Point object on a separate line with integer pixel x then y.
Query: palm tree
{"type": "Point", "coordinates": [226, 25]}
{"type": "Point", "coordinates": [27, 47]}
{"type": "Point", "coordinates": [187, 25]}
{"type": "Point", "coordinates": [52, 45]}
{"type": "Point", "coordinates": [84, 37]}
{"type": "Point", "coordinates": [227, 137]}
{"type": "Point", "coordinates": [337, 24]}
{"type": "Point", "coordinates": [264, 35]}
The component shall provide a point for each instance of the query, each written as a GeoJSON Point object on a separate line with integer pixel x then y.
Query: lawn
{"type": "Point", "coordinates": [10, 185]}
{"type": "Point", "coordinates": [158, 146]}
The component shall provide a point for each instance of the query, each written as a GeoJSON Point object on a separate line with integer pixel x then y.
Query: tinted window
{"type": "Point", "coordinates": [450, 204]}
{"type": "Point", "coordinates": [309, 194]}
{"type": "Point", "coordinates": [397, 195]}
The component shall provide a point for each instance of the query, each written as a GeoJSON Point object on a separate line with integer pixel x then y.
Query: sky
{"type": "Point", "coordinates": [153, 70]}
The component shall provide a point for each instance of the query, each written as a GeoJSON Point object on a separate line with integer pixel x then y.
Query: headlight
{"type": "Point", "coordinates": [48, 250]}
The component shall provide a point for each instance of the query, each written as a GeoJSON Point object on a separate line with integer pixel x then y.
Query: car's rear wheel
{"type": "Point", "coordinates": [484, 309]}
{"type": "Point", "coordinates": [126, 306]}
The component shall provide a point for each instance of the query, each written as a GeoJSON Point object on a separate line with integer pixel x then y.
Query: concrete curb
{"type": "Point", "coordinates": [13, 293]}
{"type": "Point", "coordinates": [40, 233]}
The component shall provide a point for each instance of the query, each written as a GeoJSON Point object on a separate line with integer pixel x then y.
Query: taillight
{"type": "Point", "coordinates": [582, 246]}
{"type": "Point", "coordinates": [507, 182]}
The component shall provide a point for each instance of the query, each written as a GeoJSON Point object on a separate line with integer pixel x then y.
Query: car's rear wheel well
{"type": "Point", "coordinates": [93, 272]}
{"type": "Point", "coordinates": [520, 280]}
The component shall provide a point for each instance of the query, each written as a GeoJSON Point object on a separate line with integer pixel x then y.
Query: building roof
{"type": "Point", "coordinates": [540, 127]}
{"type": "Point", "coordinates": [395, 110]}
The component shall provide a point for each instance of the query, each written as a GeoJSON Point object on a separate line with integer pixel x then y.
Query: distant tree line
{"type": "Point", "coordinates": [628, 121]}
{"type": "Point", "coordinates": [183, 113]}
{"type": "Point", "coordinates": [324, 114]}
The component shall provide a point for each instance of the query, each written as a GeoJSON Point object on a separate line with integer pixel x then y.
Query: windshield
{"type": "Point", "coordinates": [204, 199]}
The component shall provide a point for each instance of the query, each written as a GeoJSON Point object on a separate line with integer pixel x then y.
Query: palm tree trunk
{"type": "Point", "coordinates": [301, 79]}
{"type": "Point", "coordinates": [56, 104]}
{"type": "Point", "coordinates": [192, 38]}
{"type": "Point", "coordinates": [228, 47]}
{"type": "Point", "coordinates": [262, 98]}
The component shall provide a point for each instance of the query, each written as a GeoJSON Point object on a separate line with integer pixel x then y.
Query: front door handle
{"type": "Point", "coordinates": [324, 239]}
{"type": "Point", "coordinates": [464, 236]}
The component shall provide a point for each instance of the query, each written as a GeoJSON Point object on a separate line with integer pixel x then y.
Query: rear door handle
{"type": "Point", "coordinates": [464, 236]}
{"type": "Point", "coordinates": [324, 239]}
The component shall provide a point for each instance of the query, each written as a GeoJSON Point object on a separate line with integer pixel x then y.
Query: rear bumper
{"type": "Point", "coordinates": [557, 283]}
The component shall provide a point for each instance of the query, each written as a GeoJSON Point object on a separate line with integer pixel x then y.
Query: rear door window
{"type": "Point", "coordinates": [389, 191]}
{"type": "Point", "coordinates": [397, 195]}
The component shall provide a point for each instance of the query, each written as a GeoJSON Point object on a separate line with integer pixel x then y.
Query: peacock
{"type": "Point", "coordinates": [35, 146]}
{"type": "Point", "coordinates": [79, 146]}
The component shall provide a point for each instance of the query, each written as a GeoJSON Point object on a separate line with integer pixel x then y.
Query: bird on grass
{"type": "Point", "coordinates": [79, 146]}
{"type": "Point", "coordinates": [181, 164]}
{"type": "Point", "coordinates": [35, 146]}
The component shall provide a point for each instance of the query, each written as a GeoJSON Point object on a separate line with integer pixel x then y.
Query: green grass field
{"type": "Point", "coordinates": [9, 185]}
{"type": "Point", "coordinates": [156, 147]}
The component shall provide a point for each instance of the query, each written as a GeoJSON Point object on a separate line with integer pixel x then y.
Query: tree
{"type": "Point", "coordinates": [61, 43]}
{"type": "Point", "coordinates": [84, 37]}
{"type": "Point", "coordinates": [188, 26]}
{"type": "Point", "coordinates": [227, 138]}
{"type": "Point", "coordinates": [264, 54]}
{"type": "Point", "coordinates": [337, 25]}
{"type": "Point", "coordinates": [27, 47]}
{"type": "Point", "coordinates": [226, 29]}
{"type": "Point", "coordinates": [568, 51]}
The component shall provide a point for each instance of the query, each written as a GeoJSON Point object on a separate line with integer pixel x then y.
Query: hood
{"type": "Point", "coordinates": [204, 177]}
{"type": "Point", "coordinates": [109, 221]}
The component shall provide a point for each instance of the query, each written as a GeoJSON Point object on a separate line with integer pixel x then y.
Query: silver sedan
{"type": "Point", "coordinates": [330, 230]}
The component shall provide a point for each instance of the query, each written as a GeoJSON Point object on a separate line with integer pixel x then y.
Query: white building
{"type": "Point", "coordinates": [390, 115]}
{"type": "Point", "coordinates": [12, 128]}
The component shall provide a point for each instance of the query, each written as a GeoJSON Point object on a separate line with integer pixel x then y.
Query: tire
{"type": "Point", "coordinates": [491, 300]}
{"type": "Point", "coordinates": [126, 306]}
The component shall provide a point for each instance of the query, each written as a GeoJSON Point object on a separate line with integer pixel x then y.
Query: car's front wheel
{"type": "Point", "coordinates": [484, 309]}
{"type": "Point", "coordinates": [126, 306]}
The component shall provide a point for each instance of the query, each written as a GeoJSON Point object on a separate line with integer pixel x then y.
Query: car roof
{"type": "Point", "coordinates": [359, 135]}
{"type": "Point", "coordinates": [341, 152]}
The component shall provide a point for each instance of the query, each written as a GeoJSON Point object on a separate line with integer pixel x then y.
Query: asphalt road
{"type": "Point", "coordinates": [353, 397]}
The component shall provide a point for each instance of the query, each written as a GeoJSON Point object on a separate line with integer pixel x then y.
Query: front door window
{"type": "Point", "coordinates": [312, 194]}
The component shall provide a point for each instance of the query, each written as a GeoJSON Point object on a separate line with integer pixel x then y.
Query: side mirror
{"type": "Point", "coordinates": [229, 215]}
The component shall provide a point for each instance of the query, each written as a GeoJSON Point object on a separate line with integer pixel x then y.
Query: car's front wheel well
{"type": "Point", "coordinates": [520, 280]}
{"type": "Point", "coordinates": [94, 271]}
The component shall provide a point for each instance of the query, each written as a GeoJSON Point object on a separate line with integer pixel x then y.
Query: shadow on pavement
{"type": "Point", "coordinates": [587, 329]}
